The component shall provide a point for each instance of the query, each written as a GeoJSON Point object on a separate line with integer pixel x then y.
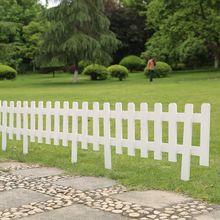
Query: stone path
{"type": "Point", "coordinates": [31, 192]}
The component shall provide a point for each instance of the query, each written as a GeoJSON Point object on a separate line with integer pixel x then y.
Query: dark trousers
{"type": "Point", "coordinates": [151, 75]}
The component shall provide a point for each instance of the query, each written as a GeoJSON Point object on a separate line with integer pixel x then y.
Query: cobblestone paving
{"type": "Point", "coordinates": [100, 199]}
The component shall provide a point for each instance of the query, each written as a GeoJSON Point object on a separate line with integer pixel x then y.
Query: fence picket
{"type": "Point", "coordinates": [40, 121]}
{"type": "Point", "coordinates": [118, 127]}
{"type": "Point", "coordinates": [96, 126]}
{"type": "Point", "coordinates": [172, 133]}
{"type": "Point", "coordinates": [144, 130]}
{"type": "Point", "coordinates": [65, 124]}
{"type": "Point", "coordinates": [25, 127]}
{"type": "Point", "coordinates": [131, 129]}
{"type": "Point", "coordinates": [56, 123]}
{"type": "Point", "coordinates": [205, 135]}
{"type": "Point", "coordinates": [84, 125]}
{"type": "Point", "coordinates": [48, 122]}
{"type": "Point", "coordinates": [107, 146]}
{"type": "Point", "coordinates": [4, 125]}
{"type": "Point", "coordinates": [33, 121]}
{"type": "Point", "coordinates": [187, 143]}
{"type": "Point", "coordinates": [158, 132]}
{"type": "Point", "coordinates": [11, 120]}
{"type": "Point", "coordinates": [74, 133]}
{"type": "Point", "coordinates": [18, 120]}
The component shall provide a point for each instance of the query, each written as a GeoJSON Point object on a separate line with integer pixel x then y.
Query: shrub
{"type": "Point", "coordinates": [7, 72]}
{"type": "Point", "coordinates": [179, 66]}
{"type": "Point", "coordinates": [133, 63]}
{"type": "Point", "coordinates": [83, 64]}
{"type": "Point", "coordinates": [118, 71]}
{"type": "Point", "coordinates": [96, 72]}
{"type": "Point", "coordinates": [161, 69]}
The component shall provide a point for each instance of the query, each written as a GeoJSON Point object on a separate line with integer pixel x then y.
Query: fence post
{"type": "Point", "coordinates": [25, 127]}
{"type": "Point", "coordinates": [4, 125]}
{"type": "Point", "coordinates": [96, 126]}
{"type": "Point", "coordinates": [118, 127]}
{"type": "Point", "coordinates": [205, 134]}
{"type": "Point", "coordinates": [107, 144]}
{"type": "Point", "coordinates": [74, 133]}
{"type": "Point", "coordinates": [131, 129]}
{"type": "Point", "coordinates": [84, 125]}
{"type": "Point", "coordinates": [158, 132]}
{"type": "Point", "coordinates": [48, 122]}
{"type": "Point", "coordinates": [187, 143]}
{"type": "Point", "coordinates": [144, 130]}
{"type": "Point", "coordinates": [172, 134]}
{"type": "Point", "coordinates": [11, 120]}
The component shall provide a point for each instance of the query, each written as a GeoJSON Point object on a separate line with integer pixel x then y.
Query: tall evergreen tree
{"type": "Point", "coordinates": [79, 31]}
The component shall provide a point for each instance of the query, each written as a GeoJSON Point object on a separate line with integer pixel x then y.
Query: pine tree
{"type": "Point", "coordinates": [79, 31]}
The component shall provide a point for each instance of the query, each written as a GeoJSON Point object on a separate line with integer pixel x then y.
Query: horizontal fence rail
{"type": "Point", "coordinates": [100, 125]}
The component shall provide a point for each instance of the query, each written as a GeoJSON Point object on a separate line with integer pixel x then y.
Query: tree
{"type": "Point", "coordinates": [79, 31]}
{"type": "Point", "coordinates": [14, 15]}
{"type": "Point", "coordinates": [184, 30]}
{"type": "Point", "coordinates": [128, 24]}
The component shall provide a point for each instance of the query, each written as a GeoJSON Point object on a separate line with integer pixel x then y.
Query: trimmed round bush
{"type": "Point", "coordinates": [162, 69]}
{"type": "Point", "coordinates": [7, 72]}
{"type": "Point", "coordinates": [118, 71]}
{"type": "Point", "coordinates": [83, 64]}
{"type": "Point", "coordinates": [96, 72]}
{"type": "Point", "coordinates": [133, 63]}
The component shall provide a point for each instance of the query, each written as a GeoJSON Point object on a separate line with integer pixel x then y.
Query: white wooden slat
{"type": "Point", "coordinates": [84, 125]}
{"type": "Point", "coordinates": [33, 121]}
{"type": "Point", "coordinates": [18, 120]}
{"type": "Point", "coordinates": [25, 127]}
{"type": "Point", "coordinates": [96, 126]}
{"type": "Point", "coordinates": [0, 115]}
{"type": "Point", "coordinates": [205, 134]}
{"type": "Point", "coordinates": [187, 143]}
{"type": "Point", "coordinates": [107, 136]}
{"type": "Point", "coordinates": [74, 133]}
{"type": "Point", "coordinates": [144, 130]}
{"type": "Point", "coordinates": [40, 121]}
{"type": "Point", "coordinates": [11, 119]}
{"type": "Point", "coordinates": [4, 125]}
{"type": "Point", "coordinates": [65, 123]}
{"type": "Point", "coordinates": [48, 122]}
{"type": "Point", "coordinates": [158, 131]}
{"type": "Point", "coordinates": [131, 129]}
{"type": "Point", "coordinates": [57, 122]}
{"type": "Point", "coordinates": [118, 128]}
{"type": "Point", "coordinates": [172, 132]}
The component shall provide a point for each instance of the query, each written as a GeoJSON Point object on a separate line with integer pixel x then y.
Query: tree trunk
{"type": "Point", "coordinates": [216, 64]}
{"type": "Point", "coordinates": [76, 72]}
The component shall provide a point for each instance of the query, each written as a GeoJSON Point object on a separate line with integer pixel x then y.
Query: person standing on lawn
{"type": "Point", "coordinates": [150, 67]}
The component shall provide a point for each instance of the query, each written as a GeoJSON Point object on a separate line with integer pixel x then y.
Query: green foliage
{"type": "Point", "coordinates": [7, 72]}
{"type": "Point", "coordinates": [96, 72]}
{"type": "Point", "coordinates": [162, 69]}
{"type": "Point", "coordinates": [179, 66]}
{"type": "Point", "coordinates": [133, 63]}
{"type": "Point", "coordinates": [118, 71]}
{"type": "Point", "coordinates": [184, 30]}
{"type": "Point", "coordinates": [83, 64]}
{"type": "Point", "coordinates": [129, 27]}
{"type": "Point", "coordinates": [79, 31]}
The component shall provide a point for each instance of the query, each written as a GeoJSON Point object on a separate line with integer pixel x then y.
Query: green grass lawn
{"type": "Point", "coordinates": [134, 172]}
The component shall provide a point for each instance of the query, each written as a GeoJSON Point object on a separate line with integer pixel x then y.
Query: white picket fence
{"type": "Point", "coordinates": [46, 123]}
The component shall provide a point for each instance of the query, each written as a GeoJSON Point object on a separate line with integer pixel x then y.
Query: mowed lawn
{"type": "Point", "coordinates": [134, 172]}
